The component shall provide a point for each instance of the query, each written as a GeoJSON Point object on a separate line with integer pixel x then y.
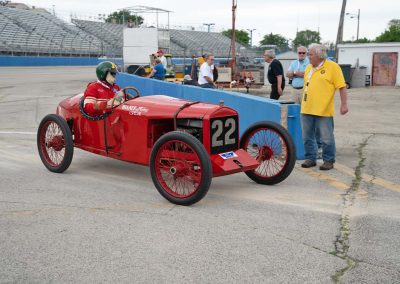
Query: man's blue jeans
{"type": "Point", "coordinates": [313, 125]}
{"type": "Point", "coordinates": [208, 86]}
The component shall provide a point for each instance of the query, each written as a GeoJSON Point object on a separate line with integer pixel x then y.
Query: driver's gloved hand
{"type": "Point", "coordinates": [119, 96]}
{"type": "Point", "coordinates": [119, 99]}
{"type": "Point", "coordinates": [112, 102]}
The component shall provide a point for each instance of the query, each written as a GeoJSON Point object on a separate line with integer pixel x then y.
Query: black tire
{"type": "Point", "coordinates": [190, 167]}
{"type": "Point", "coordinates": [273, 147]}
{"type": "Point", "coordinates": [55, 145]}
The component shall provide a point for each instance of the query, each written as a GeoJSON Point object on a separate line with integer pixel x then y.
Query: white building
{"type": "Point", "coordinates": [380, 60]}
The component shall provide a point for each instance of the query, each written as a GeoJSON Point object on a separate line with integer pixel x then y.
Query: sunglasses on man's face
{"type": "Point", "coordinates": [301, 52]}
{"type": "Point", "coordinates": [113, 74]}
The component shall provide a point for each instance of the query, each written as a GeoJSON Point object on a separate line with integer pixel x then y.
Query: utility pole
{"type": "Point", "coordinates": [234, 5]}
{"type": "Point", "coordinates": [251, 36]}
{"type": "Point", "coordinates": [209, 25]}
{"type": "Point", "coordinates": [339, 38]}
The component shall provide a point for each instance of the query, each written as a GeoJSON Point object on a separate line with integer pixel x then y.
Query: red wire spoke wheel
{"type": "Point", "coordinates": [271, 145]}
{"type": "Point", "coordinates": [180, 168]}
{"type": "Point", "coordinates": [55, 144]}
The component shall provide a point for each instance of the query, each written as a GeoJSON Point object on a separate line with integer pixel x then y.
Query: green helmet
{"type": "Point", "coordinates": [103, 68]}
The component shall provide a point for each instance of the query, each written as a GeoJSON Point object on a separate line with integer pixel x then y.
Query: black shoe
{"type": "Point", "coordinates": [308, 164]}
{"type": "Point", "coordinates": [326, 166]}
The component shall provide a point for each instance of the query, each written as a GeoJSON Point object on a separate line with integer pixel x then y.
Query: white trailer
{"type": "Point", "coordinates": [139, 44]}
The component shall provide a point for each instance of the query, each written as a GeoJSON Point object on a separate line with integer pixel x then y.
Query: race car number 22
{"type": "Point", "coordinates": [224, 133]}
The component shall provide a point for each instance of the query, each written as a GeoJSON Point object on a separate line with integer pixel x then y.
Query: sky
{"type": "Point", "coordinates": [282, 17]}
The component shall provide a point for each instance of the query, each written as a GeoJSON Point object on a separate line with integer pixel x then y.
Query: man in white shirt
{"type": "Point", "coordinates": [206, 77]}
{"type": "Point", "coordinates": [160, 54]}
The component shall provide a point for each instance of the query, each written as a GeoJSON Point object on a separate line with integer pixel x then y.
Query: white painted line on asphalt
{"type": "Point", "coordinates": [18, 132]}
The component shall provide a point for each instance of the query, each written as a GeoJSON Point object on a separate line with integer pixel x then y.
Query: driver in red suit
{"type": "Point", "coordinates": [99, 96]}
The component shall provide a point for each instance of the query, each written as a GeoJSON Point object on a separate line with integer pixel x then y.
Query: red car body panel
{"type": "Point", "coordinates": [131, 130]}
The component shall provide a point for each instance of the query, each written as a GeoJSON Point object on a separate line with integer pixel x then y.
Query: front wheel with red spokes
{"type": "Point", "coordinates": [271, 145]}
{"type": "Point", "coordinates": [180, 168]}
{"type": "Point", "coordinates": [55, 143]}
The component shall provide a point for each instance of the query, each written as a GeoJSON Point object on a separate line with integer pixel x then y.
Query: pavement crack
{"type": "Point", "coordinates": [342, 242]}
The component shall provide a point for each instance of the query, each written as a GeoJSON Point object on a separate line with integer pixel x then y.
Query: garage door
{"type": "Point", "coordinates": [384, 68]}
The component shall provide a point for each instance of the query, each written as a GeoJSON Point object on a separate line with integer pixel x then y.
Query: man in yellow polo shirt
{"type": "Point", "coordinates": [322, 78]}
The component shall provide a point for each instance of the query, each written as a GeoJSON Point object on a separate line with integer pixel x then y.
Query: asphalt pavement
{"type": "Point", "coordinates": [104, 221]}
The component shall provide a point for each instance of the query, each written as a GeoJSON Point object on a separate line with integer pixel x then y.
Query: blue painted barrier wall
{"type": "Point", "coordinates": [251, 109]}
{"type": "Point", "coordinates": [53, 61]}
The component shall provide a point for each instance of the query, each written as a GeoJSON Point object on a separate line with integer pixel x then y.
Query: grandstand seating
{"type": "Point", "coordinates": [38, 32]}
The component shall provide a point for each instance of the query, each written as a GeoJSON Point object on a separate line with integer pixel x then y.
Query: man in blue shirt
{"type": "Point", "coordinates": [296, 73]}
{"type": "Point", "coordinates": [158, 71]}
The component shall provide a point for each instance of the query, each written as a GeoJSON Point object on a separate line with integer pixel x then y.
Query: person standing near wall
{"type": "Point", "coordinates": [296, 73]}
{"type": "Point", "coordinates": [275, 74]}
{"type": "Point", "coordinates": [321, 80]}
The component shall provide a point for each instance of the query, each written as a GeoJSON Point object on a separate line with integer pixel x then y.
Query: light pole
{"type": "Point", "coordinates": [352, 16]}
{"type": "Point", "coordinates": [251, 36]}
{"type": "Point", "coordinates": [209, 25]}
{"type": "Point", "coordinates": [102, 18]}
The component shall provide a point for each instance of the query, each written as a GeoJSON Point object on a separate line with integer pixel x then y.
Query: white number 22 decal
{"type": "Point", "coordinates": [216, 139]}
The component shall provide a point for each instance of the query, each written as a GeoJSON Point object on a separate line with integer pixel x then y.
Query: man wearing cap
{"type": "Point", "coordinates": [160, 54]}
{"type": "Point", "coordinates": [187, 80]}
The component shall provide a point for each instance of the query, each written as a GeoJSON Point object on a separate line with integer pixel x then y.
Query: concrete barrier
{"type": "Point", "coordinates": [251, 109]}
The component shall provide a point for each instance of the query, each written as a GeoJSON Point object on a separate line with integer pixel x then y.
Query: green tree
{"type": "Point", "coordinates": [124, 16]}
{"type": "Point", "coordinates": [394, 22]}
{"type": "Point", "coordinates": [275, 39]}
{"type": "Point", "coordinates": [360, 40]}
{"type": "Point", "coordinates": [4, 2]}
{"type": "Point", "coordinates": [241, 36]}
{"type": "Point", "coordinates": [306, 38]}
{"type": "Point", "coordinates": [392, 34]}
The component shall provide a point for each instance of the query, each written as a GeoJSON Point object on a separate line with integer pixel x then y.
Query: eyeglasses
{"type": "Point", "coordinates": [113, 74]}
{"type": "Point", "coordinates": [301, 52]}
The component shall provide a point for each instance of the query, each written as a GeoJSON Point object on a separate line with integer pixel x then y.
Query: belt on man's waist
{"type": "Point", "coordinates": [298, 88]}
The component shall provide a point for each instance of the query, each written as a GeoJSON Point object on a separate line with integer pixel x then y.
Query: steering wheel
{"type": "Point", "coordinates": [126, 96]}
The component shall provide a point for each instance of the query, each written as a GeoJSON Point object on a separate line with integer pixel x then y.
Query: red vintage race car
{"type": "Point", "coordinates": [185, 143]}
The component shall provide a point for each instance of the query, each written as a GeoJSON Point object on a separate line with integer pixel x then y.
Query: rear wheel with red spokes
{"type": "Point", "coordinates": [180, 168]}
{"type": "Point", "coordinates": [271, 145]}
{"type": "Point", "coordinates": [55, 143]}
